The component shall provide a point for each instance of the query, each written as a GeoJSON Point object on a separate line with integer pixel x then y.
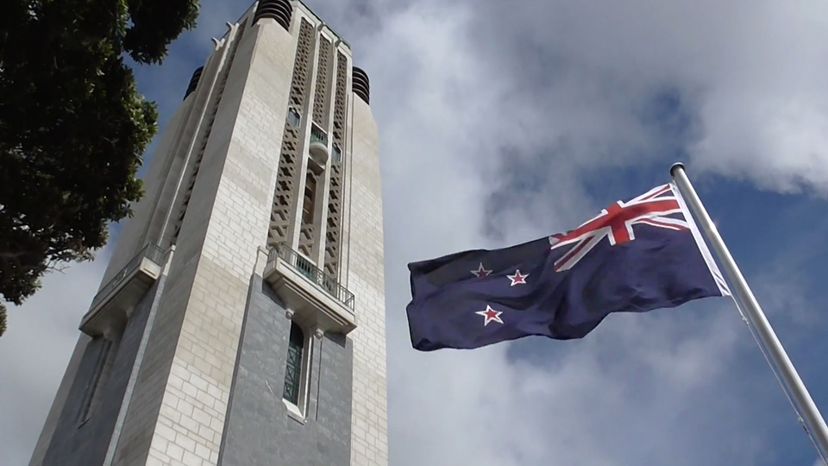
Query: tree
{"type": "Point", "coordinates": [73, 127]}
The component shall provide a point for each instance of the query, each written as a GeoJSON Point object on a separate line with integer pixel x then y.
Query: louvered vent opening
{"type": "Point", "coordinates": [280, 10]}
{"type": "Point", "coordinates": [194, 81]}
{"type": "Point", "coordinates": [361, 87]}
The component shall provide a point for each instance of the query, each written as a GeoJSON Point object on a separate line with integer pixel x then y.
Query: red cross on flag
{"type": "Point", "coordinates": [616, 223]}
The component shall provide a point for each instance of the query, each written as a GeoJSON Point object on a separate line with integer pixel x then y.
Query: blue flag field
{"type": "Point", "coordinates": [635, 256]}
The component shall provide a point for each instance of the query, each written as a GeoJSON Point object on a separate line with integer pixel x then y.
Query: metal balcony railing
{"type": "Point", "coordinates": [151, 252]}
{"type": "Point", "coordinates": [317, 135]}
{"type": "Point", "coordinates": [316, 276]}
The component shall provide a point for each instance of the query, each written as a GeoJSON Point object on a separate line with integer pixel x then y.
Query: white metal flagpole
{"type": "Point", "coordinates": [771, 346]}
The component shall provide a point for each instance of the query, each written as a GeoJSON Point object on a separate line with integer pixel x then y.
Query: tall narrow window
{"type": "Point", "coordinates": [307, 233]}
{"type": "Point", "coordinates": [310, 198]}
{"type": "Point", "coordinates": [293, 117]}
{"type": "Point", "coordinates": [93, 385]}
{"type": "Point", "coordinates": [337, 153]}
{"type": "Point", "coordinates": [293, 369]}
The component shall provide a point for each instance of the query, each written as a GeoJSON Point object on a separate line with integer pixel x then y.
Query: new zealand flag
{"type": "Point", "coordinates": [634, 256]}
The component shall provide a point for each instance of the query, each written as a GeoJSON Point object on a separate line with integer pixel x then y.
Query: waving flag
{"type": "Point", "coordinates": [635, 256]}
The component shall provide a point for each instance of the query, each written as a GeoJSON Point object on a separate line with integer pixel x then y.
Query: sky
{"type": "Point", "coordinates": [505, 122]}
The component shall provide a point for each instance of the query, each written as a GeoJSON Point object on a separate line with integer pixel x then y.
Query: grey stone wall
{"type": "Point", "coordinates": [258, 429]}
{"type": "Point", "coordinates": [76, 443]}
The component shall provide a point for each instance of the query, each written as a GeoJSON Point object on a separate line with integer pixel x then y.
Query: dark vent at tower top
{"type": "Point", "coordinates": [361, 85]}
{"type": "Point", "coordinates": [280, 10]}
{"type": "Point", "coordinates": [194, 81]}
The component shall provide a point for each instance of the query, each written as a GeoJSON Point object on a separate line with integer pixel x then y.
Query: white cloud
{"type": "Point", "coordinates": [35, 350]}
{"type": "Point", "coordinates": [639, 391]}
{"type": "Point", "coordinates": [750, 74]}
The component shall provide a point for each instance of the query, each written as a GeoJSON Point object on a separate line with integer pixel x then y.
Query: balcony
{"type": "Point", "coordinates": [113, 303]}
{"type": "Point", "coordinates": [315, 298]}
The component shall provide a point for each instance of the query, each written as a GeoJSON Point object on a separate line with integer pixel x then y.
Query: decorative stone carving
{"type": "Point", "coordinates": [205, 132]}
{"type": "Point", "coordinates": [287, 177]}
{"type": "Point", "coordinates": [321, 102]}
{"type": "Point", "coordinates": [334, 227]}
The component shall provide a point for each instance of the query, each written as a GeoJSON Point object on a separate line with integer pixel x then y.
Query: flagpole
{"type": "Point", "coordinates": [770, 345]}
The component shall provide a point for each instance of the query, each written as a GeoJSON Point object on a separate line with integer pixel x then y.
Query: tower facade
{"type": "Point", "coordinates": [241, 319]}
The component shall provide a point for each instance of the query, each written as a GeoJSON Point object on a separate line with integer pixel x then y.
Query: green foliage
{"type": "Point", "coordinates": [72, 125]}
{"type": "Point", "coordinates": [154, 24]}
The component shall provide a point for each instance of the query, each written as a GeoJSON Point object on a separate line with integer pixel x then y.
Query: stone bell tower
{"type": "Point", "coordinates": [241, 319]}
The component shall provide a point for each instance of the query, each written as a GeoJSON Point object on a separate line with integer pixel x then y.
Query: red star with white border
{"type": "Point", "coordinates": [490, 315]}
{"type": "Point", "coordinates": [481, 271]}
{"type": "Point", "coordinates": [518, 278]}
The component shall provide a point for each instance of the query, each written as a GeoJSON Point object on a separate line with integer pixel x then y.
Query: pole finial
{"type": "Point", "coordinates": [675, 166]}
